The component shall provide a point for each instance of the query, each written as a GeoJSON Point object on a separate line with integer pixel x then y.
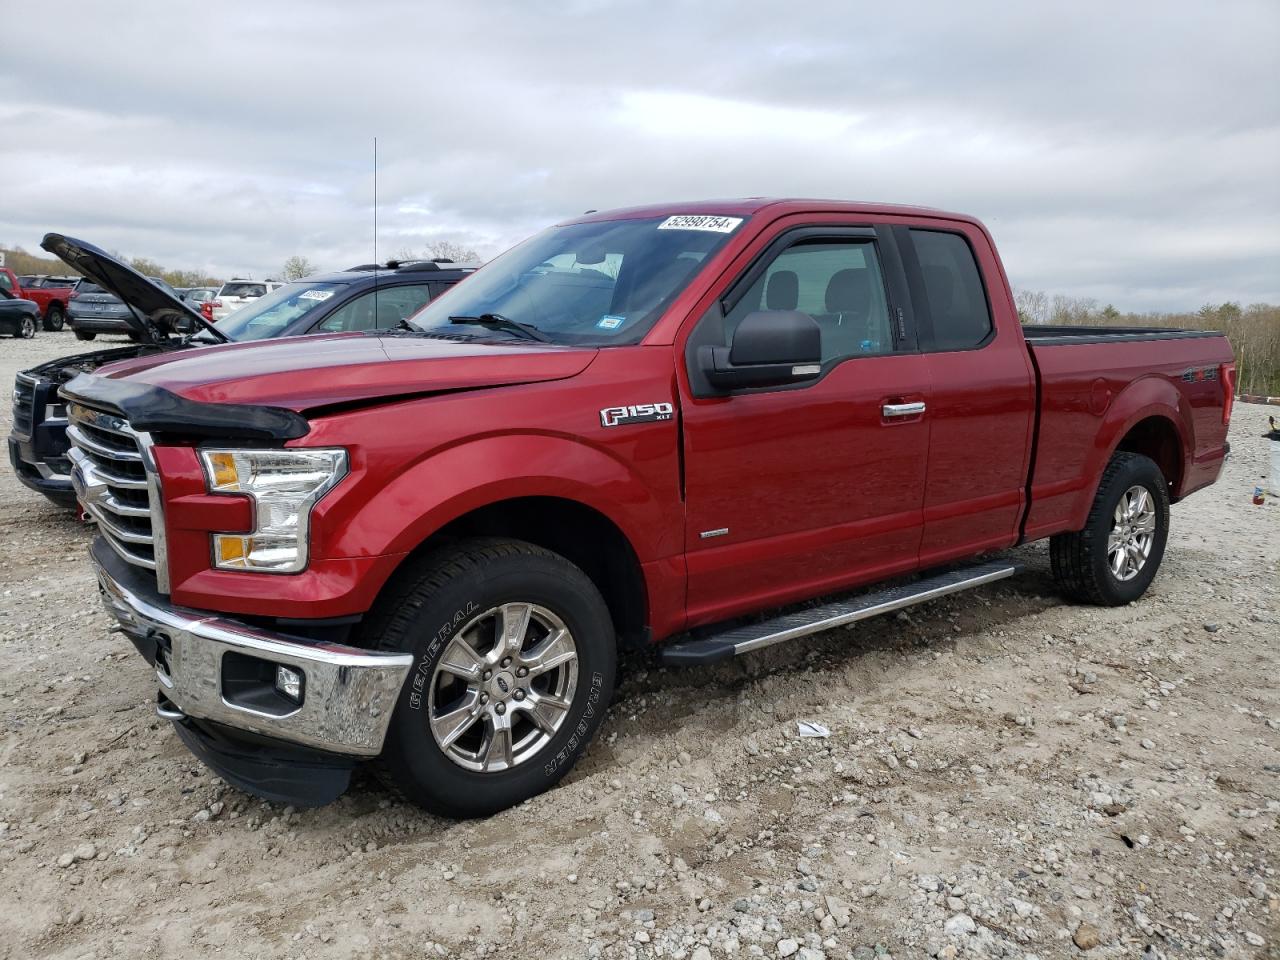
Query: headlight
{"type": "Point", "coordinates": [284, 485]}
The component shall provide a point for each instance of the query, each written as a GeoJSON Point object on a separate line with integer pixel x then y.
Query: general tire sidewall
{"type": "Point", "coordinates": [411, 752]}
{"type": "Point", "coordinates": [1140, 472]}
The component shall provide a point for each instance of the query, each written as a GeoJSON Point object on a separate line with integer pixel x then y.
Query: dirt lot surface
{"type": "Point", "coordinates": [1005, 776]}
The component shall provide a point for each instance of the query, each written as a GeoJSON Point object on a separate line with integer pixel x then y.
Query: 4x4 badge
{"type": "Point", "coordinates": [637, 413]}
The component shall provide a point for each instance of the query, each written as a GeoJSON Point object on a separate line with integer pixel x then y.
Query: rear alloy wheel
{"type": "Point", "coordinates": [54, 317]}
{"type": "Point", "coordinates": [1114, 558]}
{"type": "Point", "coordinates": [1133, 531]}
{"type": "Point", "coordinates": [27, 328]}
{"type": "Point", "coordinates": [515, 654]}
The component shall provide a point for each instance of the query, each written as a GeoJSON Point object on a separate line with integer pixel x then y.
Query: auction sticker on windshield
{"type": "Point", "coordinates": [697, 221]}
{"type": "Point", "coordinates": [315, 295]}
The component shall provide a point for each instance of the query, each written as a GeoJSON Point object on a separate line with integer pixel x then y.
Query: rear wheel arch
{"type": "Point", "coordinates": [1158, 438]}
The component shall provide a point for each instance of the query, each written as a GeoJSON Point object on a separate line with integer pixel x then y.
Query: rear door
{"type": "Point", "coordinates": [983, 405]}
{"type": "Point", "coordinates": [798, 490]}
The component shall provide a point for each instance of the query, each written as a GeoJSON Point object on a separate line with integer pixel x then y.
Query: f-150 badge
{"type": "Point", "coordinates": [637, 413]}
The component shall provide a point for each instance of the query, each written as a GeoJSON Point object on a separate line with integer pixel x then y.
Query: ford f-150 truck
{"type": "Point", "coordinates": [665, 425]}
{"type": "Point", "coordinates": [50, 294]}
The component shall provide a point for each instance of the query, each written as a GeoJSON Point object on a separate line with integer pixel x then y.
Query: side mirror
{"type": "Point", "coordinates": [770, 348]}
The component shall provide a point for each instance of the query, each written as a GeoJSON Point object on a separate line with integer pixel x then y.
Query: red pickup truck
{"type": "Point", "coordinates": [51, 295]}
{"type": "Point", "coordinates": [666, 425]}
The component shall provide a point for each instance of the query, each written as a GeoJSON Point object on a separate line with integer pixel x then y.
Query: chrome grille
{"type": "Point", "coordinates": [115, 481]}
{"type": "Point", "coordinates": [24, 402]}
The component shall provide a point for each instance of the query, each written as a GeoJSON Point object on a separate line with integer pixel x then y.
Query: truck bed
{"type": "Point", "coordinates": [1096, 384]}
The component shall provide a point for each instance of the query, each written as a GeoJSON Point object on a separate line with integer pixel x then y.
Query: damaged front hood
{"type": "Point", "coordinates": [305, 373]}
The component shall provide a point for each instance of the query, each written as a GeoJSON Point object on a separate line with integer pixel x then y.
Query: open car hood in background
{"type": "Point", "coordinates": [159, 314]}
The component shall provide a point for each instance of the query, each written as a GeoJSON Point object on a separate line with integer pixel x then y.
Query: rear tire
{"type": "Point", "coordinates": [85, 334]}
{"type": "Point", "coordinates": [54, 317]}
{"type": "Point", "coordinates": [515, 655]}
{"type": "Point", "coordinates": [1113, 560]}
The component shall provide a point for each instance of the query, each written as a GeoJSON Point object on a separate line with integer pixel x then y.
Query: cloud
{"type": "Point", "coordinates": [1117, 151]}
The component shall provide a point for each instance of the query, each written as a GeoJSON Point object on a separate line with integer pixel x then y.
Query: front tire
{"type": "Point", "coordinates": [54, 318]}
{"type": "Point", "coordinates": [26, 328]}
{"type": "Point", "coordinates": [515, 658]}
{"type": "Point", "coordinates": [85, 334]}
{"type": "Point", "coordinates": [1115, 557]}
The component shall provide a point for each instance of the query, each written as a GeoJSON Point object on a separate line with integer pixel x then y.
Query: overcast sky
{"type": "Point", "coordinates": [1124, 151]}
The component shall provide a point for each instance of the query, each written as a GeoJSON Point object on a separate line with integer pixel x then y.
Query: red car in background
{"type": "Point", "coordinates": [50, 294]}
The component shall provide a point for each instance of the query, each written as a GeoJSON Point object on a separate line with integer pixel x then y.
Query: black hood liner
{"type": "Point", "coordinates": [161, 312]}
{"type": "Point", "coordinates": [155, 410]}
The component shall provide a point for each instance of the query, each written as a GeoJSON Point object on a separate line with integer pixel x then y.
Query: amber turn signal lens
{"type": "Point", "coordinates": [231, 550]}
{"type": "Point", "coordinates": [222, 467]}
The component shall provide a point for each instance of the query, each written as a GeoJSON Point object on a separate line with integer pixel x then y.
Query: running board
{"type": "Point", "coordinates": [753, 636]}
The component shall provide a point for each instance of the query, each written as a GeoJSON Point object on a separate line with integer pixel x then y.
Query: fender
{"type": "Point", "coordinates": [1148, 396]}
{"type": "Point", "coordinates": [453, 481]}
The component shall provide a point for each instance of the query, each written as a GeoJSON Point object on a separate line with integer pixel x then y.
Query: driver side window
{"type": "Point", "coordinates": [837, 282]}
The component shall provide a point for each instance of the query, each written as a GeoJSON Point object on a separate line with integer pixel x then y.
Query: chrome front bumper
{"type": "Point", "coordinates": [349, 693]}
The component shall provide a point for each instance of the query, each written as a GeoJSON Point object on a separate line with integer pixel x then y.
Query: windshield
{"type": "Point", "coordinates": [602, 283]}
{"type": "Point", "coordinates": [242, 289]}
{"type": "Point", "coordinates": [268, 316]}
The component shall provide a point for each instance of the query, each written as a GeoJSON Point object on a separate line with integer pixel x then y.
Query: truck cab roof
{"type": "Point", "coordinates": [774, 206]}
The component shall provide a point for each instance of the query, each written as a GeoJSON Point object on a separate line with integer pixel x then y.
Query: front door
{"type": "Point", "coordinates": [809, 488]}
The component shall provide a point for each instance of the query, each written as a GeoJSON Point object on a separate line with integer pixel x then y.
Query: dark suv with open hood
{"type": "Point", "coordinates": [367, 297]}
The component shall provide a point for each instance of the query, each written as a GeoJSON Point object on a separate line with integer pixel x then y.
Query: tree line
{"type": "Point", "coordinates": [1254, 330]}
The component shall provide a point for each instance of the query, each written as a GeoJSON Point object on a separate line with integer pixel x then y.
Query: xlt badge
{"type": "Point", "coordinates": [637, 413]}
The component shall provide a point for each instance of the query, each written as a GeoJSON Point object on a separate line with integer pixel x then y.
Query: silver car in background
{"type": "Point", "coordinates": [236, 293]}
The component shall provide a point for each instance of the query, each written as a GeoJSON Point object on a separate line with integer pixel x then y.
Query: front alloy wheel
{"type": "Point", "coordinates": [28, 328]}
{"type": "Point", "coordinates": [515, 653]}
{"type": "Point", "coordinates": [504, 686]}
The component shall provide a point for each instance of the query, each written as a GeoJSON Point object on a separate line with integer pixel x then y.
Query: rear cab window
{"type": "Point", "coordinates": [956, 299]}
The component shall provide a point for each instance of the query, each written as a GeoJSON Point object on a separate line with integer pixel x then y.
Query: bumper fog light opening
{"type": "Point", "coordinates": [291, 683]}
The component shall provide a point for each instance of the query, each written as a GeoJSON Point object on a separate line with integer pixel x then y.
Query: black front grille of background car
{"type": "Point", "coordinates": [24, 400]}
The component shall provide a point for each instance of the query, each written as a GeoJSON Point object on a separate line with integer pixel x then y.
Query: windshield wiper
{"type": "Point", "coordinates": [496, 321]}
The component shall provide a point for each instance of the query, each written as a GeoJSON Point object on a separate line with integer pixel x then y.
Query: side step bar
{"type": "Point", "coordinates": [753, 636]}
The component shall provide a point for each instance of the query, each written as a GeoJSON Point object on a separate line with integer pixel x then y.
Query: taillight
{"type": "Point", "coordinates": [207, 308]}
{"type": "Point", "coordinates": [73, 295]}
{"type": "Point", "coordinates": [1227, 374]}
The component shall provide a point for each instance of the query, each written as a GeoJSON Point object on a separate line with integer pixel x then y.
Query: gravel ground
{"type": "Point", "coordinates": [1005, 776]}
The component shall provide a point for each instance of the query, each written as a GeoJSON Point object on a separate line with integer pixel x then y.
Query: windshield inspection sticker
{"type": "Point", "coordinates": [315, 295]}
{"type": "Point", "coordinates": [608, 322]}
{"type": "Point", "coordinates": [698, 221]}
